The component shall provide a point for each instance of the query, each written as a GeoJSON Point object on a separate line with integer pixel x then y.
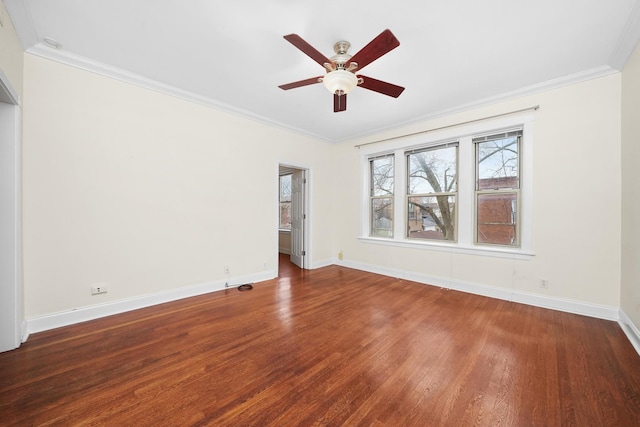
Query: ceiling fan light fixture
{"type": "Point", "coordinates": [340, 82]}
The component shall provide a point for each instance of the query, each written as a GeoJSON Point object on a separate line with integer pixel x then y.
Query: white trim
{"type": "Point", "coordinates": [536, 300]}
{"type": "Point", "coordinates": [24, 331]}
{"type": "Point", "coordinates": [630, 330]}
{"type": "Point", "coordinates": [11, 224]}
{"type": "Point", "coordinates": [579, 77]}
{"type": "Point", "coordinates": [5, 86]}
{"type": "Point", "coordinates": [83, 314]}
{"type": "Point", "coordinates": [628, 39]}
{"type": "Point", "coordinates": [125, 76]}
{"type": "Point", "coordinates": [486, 250]}
{"type": "Point", "coordinates": [102, 69]}
{"type": "Point", "coordinates": [322, 263]}
{"type": "Point", "coordinates": [20, 16]}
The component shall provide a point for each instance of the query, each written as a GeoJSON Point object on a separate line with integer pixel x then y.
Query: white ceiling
{"type": "Point", "coordinates": [231, 55]}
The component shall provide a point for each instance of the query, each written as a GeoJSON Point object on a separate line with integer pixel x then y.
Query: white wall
{"type": "Point", "coordinates": [576, 214]}
{"type": "Point", "coordinates": [148, 193]}
{"type": "Point", "coordinates": [630, 293]}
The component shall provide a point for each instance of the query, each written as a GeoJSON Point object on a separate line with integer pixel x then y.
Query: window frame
{"type": "Point", "coordinates": [408, 195]}
{"type": "Point", "coordinates": [280, 202]}
{"type": "Point", "coordinates": [373, 197]}
{"type": "Point", "coordinates": [465, 206]}
{"type": "Point", "coordinates": [497, 191]}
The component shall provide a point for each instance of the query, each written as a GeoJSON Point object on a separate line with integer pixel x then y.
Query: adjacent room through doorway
{"type": "Point", "coordinates": [292, 214]}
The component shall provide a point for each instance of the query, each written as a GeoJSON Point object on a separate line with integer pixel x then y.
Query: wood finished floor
{"type": "Point", "coordinates": [333, 347]}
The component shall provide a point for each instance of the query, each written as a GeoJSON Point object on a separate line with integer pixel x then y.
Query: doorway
{"type": "Point", "coordinates": [293, 219]}
{"type": "Point", "coordinates": [10, 219]}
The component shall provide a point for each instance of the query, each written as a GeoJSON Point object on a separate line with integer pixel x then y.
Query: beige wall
{"type": "Point", "coordinates": [147, 192]}
{"type": "Point", "coordinates": [142, 191]}
{"type": "Point", "coordinates": [630, 293]}
{"type": "Point", "coordinates": [576, 196]}
{"type": "Point", "coordinates": [10, 51]}
{"type": "Point", "coordinates": [284, 242]}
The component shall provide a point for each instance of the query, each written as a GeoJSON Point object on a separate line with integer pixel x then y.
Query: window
{"type": "Point", "coordinates": [497, 189]}
{"type": "Point", "coordinates": [462, 188]}
{"type": "Point", "coordinates": [431, 192]}
{"type": "Point", "coordinates": [381, 195]}
{"type": "Point", "coordinates": [285, 202]}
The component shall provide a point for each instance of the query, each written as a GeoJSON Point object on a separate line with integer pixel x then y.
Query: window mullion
{"type": "Point", "coordinates": [466, 186]}
{"type": "Point", "coordinates": [400, 204]}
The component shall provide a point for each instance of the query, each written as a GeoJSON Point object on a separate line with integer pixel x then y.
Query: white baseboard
{"type": "Point", "coordinates": [537, 300]}
{"type": "Point", "coordinates": [630, 330]}
{"type": "Point", "coordinates": [322, 263]}
{"type": "Point", "coordinates": [24, 331]}
{"type": "Point", "coordinates": [83, 314]}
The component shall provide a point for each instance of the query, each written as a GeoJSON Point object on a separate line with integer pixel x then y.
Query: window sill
{"type": "Point", "coordinates": [284, 230]}
{"type": "Point", "coordinates": [515, 253]}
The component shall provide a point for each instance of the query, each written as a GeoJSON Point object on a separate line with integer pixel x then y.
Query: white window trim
{"type": "Point", "coordinates": [466, 187]}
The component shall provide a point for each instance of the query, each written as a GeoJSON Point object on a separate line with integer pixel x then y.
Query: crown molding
{"type": "Point", "coordinates": [20, 16]}
{"type": "Point", "coordinates": [118, 74]}
{"type": "Point", "coordinates": [105, 70]}
{"type": "Point", "coordinates": [628, 40]}
{"type": "Point", "coordinates": [579, 77]}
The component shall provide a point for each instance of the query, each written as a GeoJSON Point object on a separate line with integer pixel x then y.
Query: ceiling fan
{"type": "Point", "coordinates": [341, 76]}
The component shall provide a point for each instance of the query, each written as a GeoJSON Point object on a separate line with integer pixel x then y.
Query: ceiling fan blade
{"type": "Point", "coordinates": [339, 103]}
{"type": "Point", "coordinates": [307, 49]}
{"type": "Point", "coordinates": [383, 43]}
{"type": "Point", "coordinates": [306, 82]}
{"type": "Point", "coordinates": [380, 86]}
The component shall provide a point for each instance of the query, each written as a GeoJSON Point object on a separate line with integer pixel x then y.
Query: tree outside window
{"type": "Point", "coordinates": [432, 192]}
{"type": "Point", "coordinates": [381, 197]}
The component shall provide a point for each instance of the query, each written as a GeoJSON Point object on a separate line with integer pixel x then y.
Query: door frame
{"type": "Point", "coordinates": [306, 194]}
{"type": "Point", "coordinates": [12, 326]}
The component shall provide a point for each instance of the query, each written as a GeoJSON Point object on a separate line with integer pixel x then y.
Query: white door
{"type": "Point", "coordinates": [298, 216]}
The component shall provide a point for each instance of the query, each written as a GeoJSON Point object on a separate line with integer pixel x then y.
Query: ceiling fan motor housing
{"type": "Point", "coordinates": [341, 57]}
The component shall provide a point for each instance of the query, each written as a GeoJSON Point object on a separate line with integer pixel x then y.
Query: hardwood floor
{"type": "Point", "coordinates": [332, 346]}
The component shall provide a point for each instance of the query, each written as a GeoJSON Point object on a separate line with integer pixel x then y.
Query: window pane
{"type": "Point", "coordinates": [285, 215]}
{"type": "Point", "coordinates": [497, 218]}
{"type": "Point", "coordinates": [498, 163]}
{"type": "Point", "coordinates": [285, 202]}
{"type": "Point", "coordinates": [433, 171]}
{"type": "Point", "coordinates": [432, 217]}
{"type": "Point", "coordinates": [382, 176]}
{"type": "Point", "coordinates": [285, 188]}
{"type": "Point", "coordinates": [382, 217]}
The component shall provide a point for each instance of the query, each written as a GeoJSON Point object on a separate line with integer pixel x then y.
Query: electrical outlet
{"type": "Point", "coordinates": [99, 289]}
{"type": "Point", "coordinates": [544, 284]}
{"type": "Point", "coordinates": [340, 256]}
{"type": "Point", "coordinates": [226, 269]}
